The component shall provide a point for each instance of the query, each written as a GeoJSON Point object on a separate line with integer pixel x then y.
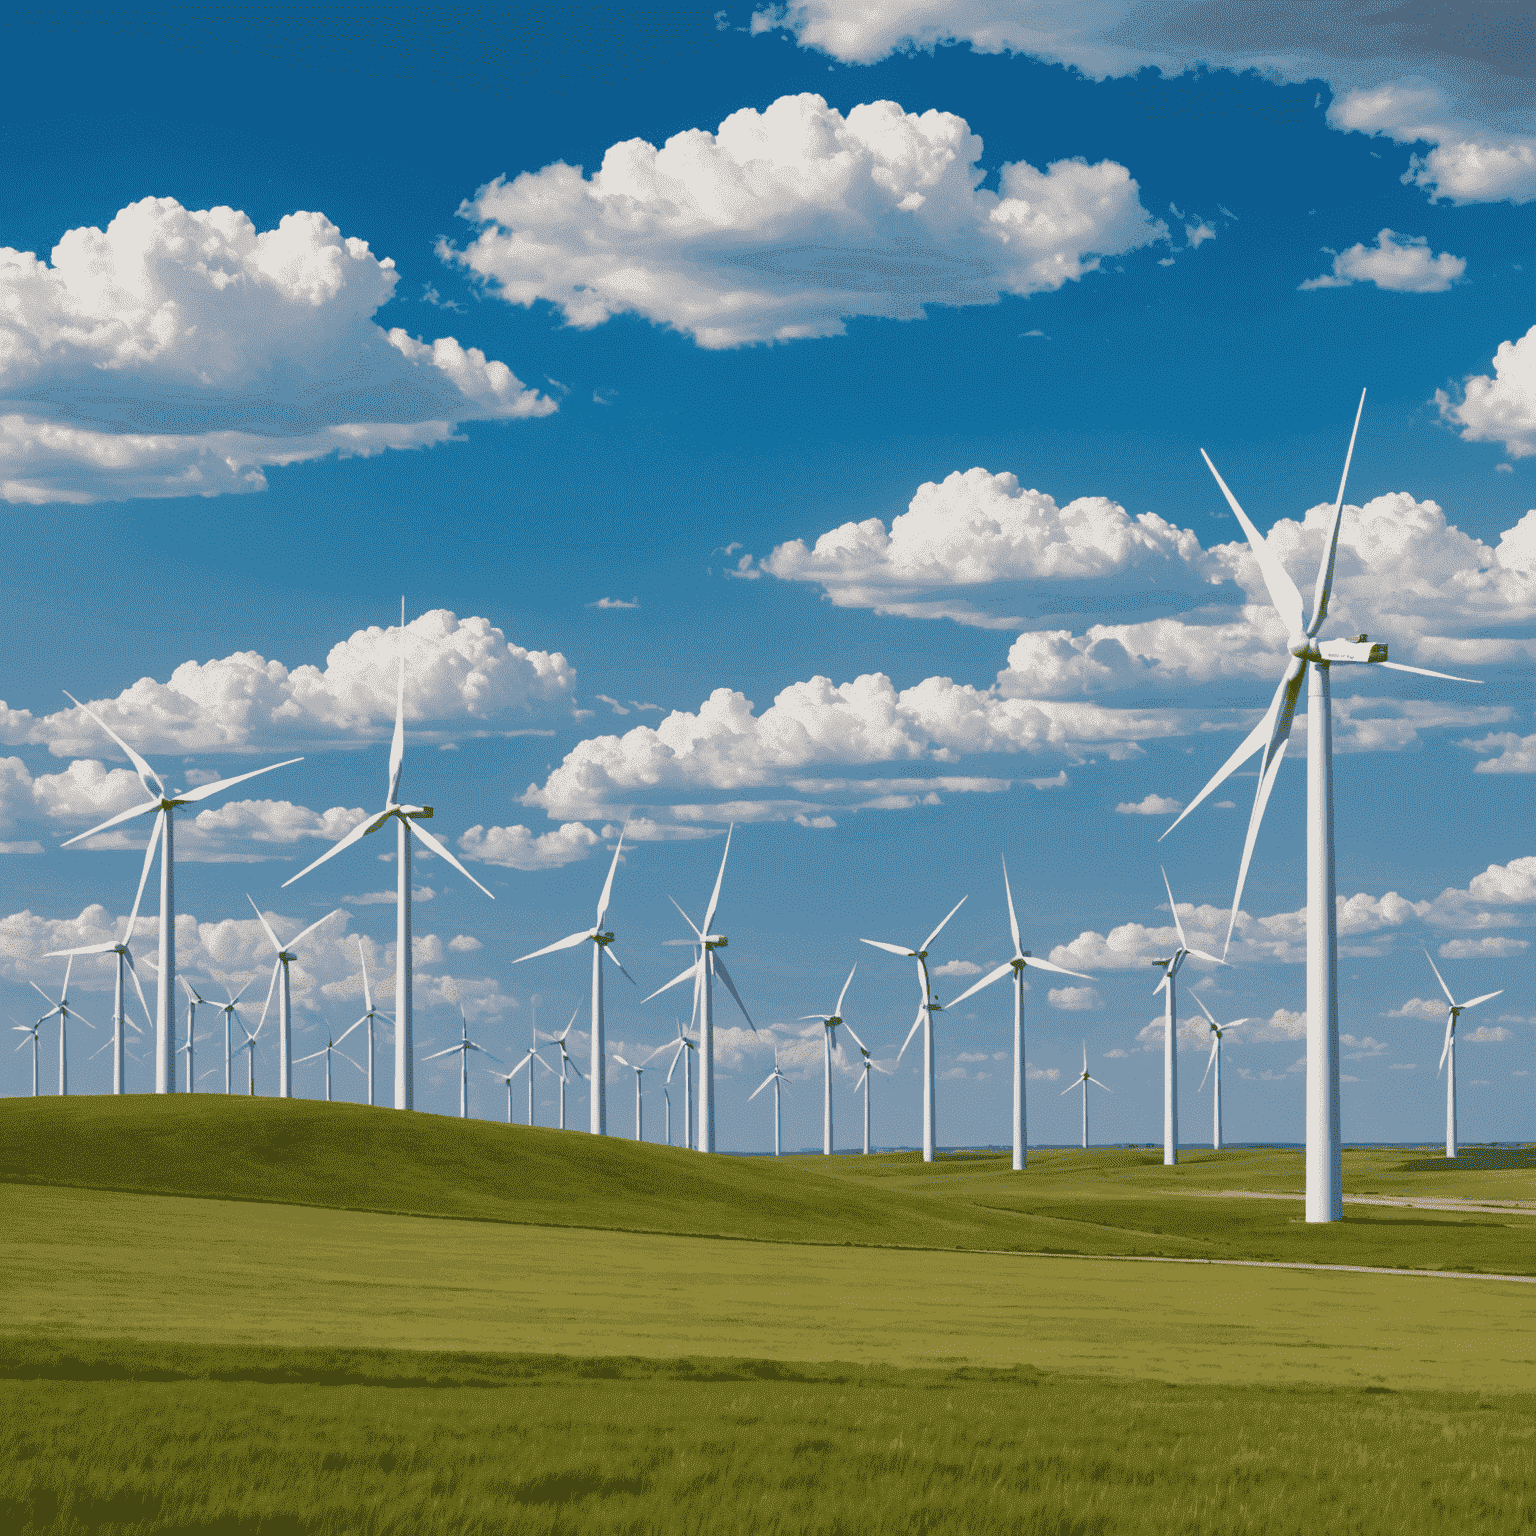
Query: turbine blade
{"type": "Point", "coordinates": [750, 1096]}
{"type": "Point", "coordinates": [87, 949]}
{"type": "Point", "coordinates": [335, 912]}
{"type": "Point", "coordinates": [144, 771]}
{"type": "Point", "coordinates": [442, 853]}
{"type": "Point", "coordinates": [300, 1060]}
{"type": "Point", "coordinates": [1450, 1026]}
{"type": "Point", "coordinates": [698, 931]}
{"type": "Point", "coordinates": [1330, 550]}
{"type": "Point", "coordinates": [277, 965]}
{"type": "Point", "coordinates": [1068, 1089]}
{"type": "Point", "coordinates": [725, 976]}
{"type": "Point", "coordinates": [265, 924]}
{"type": "Point", "coordinates": [1397, 666]}
{"type": "Point", "coordinates": [915, 1022]}
{"type": "Point", "coordinates": [714, 900]}
{"type": "Point", "coordinates": [1251, 744]}
{"type": "Point", "coordinates": [1203, 1009]}
{"type": "Point", "coordinates": [361, 830]}
{"type": "Point", "coordinates": [1210, 1062]}
{"type": "Point", "coordinates": [397, 743]}
{"type": "Point", "coordinates": [689, 974]}
{"type": "Point", "coordinates": [348, 1030]}
{"type": "Point", "coordinates": [149, 859]}
{"type": "Point", "coordinates": [1200, 954]}
{"type": "Point", "coordinates": [1483, 999]}
{"type": "Point", "coordinates": [1030, 963]}
{"type": "Point", "coordinates": [602, 903]}
{"type": "Point", "coordinates": [112, 821]}
{"type": "Point", "coordinates": [1173, 907]}
{"type": "Point", "coordinates": [1013, 922]}
{"type": "Point", "coordinates": [857, 1041]}
{"type": "Point", "coordinates": [1282, 590]}
{"type": "Point", "coordinates": [549, 949]}
{"type": "Point", "coordinates": [986, 981]}
{"type": "Point", "coordinates": [203, 791]}
{"type": "Point", "coordinates": [608, 950]}
{"type": "Point", "coordinates": [1097, 1084]}
{"type": "Point", "coordinates": [937, 931]}
{"type": "Point", "coordinates": [435, 1054]}
{"type": "Point", "coordinates": [844, 993]}
{"type": "Point", "coordinates": [138, 987]}
{"type": "Point", "coordinates": [895, 949]}
{"type": "Point", "coordinates": [1441, 979]}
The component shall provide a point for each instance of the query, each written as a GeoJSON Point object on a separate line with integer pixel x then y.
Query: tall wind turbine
{"type": "Point", "coordinates": [1082, 1083]}
{"type": "Point", "coordinates": [1309, 661]}
{"type": "Point", "coordinates": [1217, 1031]}
{"type": "Point", "coordinates": [830, 1021]}
{"type": "Point", "coordinates": [567, 1061]}
{"type": "Point", "coordinates": [776, 1077]}
{"type": "Point", "coordinates": [228, 1010]}
{"type": "Point", "coordinates": [639, 1110]}
{"type": "Point", "coordinates": [707, 964]}
{"type": "Point", "coordinates": [602, 943]}
{"type": "Point", "coordinates": [463, 1047]}
{"type": "Point", "coordinates": [1171, 964]}
{"type": "Point", "coordinates": [1448, 1055]}
{"type": "Point", "coordinates": [285, 957]}
{"type": "Point", "coordinates": [30, 1031]}
{"type": "Point", "coordinates": [408, 819]}
{"type": "Point", "coordinates": [162, 803]}
{"type": "Point", "coordinates": [64, 1013]}
{"type": "Point", "coordinates": [370, 1013]}
{"type": "Point", "coordinates": [927, 1006]}
{"type": "Point", "coordinates": [122, 953]}
{"type": "Point", "coordinates": [330, 1048]}
{"type": "Point", "coordinates": [1021, 959]}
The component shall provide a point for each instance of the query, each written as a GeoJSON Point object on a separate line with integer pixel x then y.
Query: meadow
{"type": "Point", "coordinates": [285, 1316]}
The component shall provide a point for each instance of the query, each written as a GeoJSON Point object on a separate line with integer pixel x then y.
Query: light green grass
{"type": "Point", "coordinates": [83, 1263]}
{"type": "Point", "coordinates": [610, 1447]}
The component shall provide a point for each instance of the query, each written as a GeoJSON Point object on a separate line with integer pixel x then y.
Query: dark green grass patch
{"type": "Point", "coordinates": [138, 1442]}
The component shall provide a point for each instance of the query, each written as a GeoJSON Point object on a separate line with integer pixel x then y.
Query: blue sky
{"type": "Point", "coordinates": [767, 281]}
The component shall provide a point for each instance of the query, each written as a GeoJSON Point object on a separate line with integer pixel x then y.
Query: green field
{"type": "Point", "coordinates": [234, 1315]}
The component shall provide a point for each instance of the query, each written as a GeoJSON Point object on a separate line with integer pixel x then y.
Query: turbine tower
{"type": "Point", "coordinates": [285, 957]}
{"type": "Point", "coordinates": [776, 1077]}
{"type": "Point", "coordinates": [567, 1061]}
{"type": "Point", "coordinates": [1454, 1011]}
{"type": "Point", "coordinates": [331, 1047]}
{"type": "Point", "coordinates": [602, 943]}
{"type": "Point", "coordinates": [248, 1045]}
{"type": "Point", "coordinates": [369, 1015]}
{"type": "Point", "coordinates": [64, 1013]}
{"type": "Point", "coordinates": [506, 1077]}
{"type": "Point", "coordinates": [193, 999]}
{"type": "Point", "coordinates": [1022, 958]}
{"type": "Point", "coordinates": [463, 1047]}
{"type": "Point", "coordinates": [830, 1021]}
{"type": "Point", "coordinates": [162, 804]}
{"type": "Point", "coordinates": [1082, 1083]}
{"type": "Point", "coordinates": [1309, 661]}
{"type": "Point", "coordinates": [867, 1065]}
{"type": "Point", "coordinates": [706, 966]}
{"type": "Point", "coordinates": [1170, 965]}
{"type": "Point", "coordinates": [30, 1031]}
{"type": "Point", "coordinates": [683, 1046]}
{"type": "Point", "coordinates": [1217, 1031]}
{"type": "Point", "coordinates": [927, 1006]}
{"type": "Point", "coordinates": [639, 1109]}
{"type": "Point", "coordinates": [408, 819]}
{"type": "Point", "coordinates": [228, 1010]}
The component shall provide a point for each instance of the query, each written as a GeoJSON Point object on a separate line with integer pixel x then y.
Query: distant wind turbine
{"type": "Point", "coordinates": [567, 1061]}
{"type": "Point", "coordinates": [228, 1010]}
{"type": "Point", "coordinates": [1217, 1031]}
{"type": "Point", "coordinates": [370, 1013]}
{"type": "Point", "coordinates": [1021, 959]}
{"type": "Point", "coordinates": [408, 819]}
{"type": "Point", "coordinates": [193, 999]}
{"type": "Point", "coordinates": [708, 963]}
{"type": "Point", "coordinates": [506, 1077]}
{"type": "Point", "coordinates": [776, 1077]}
{"type": "Point", "coordinates": [830, 1021]}
{"type": "Point", "coordinates": [639, 1110]}
{"type": "Point", "coordinates": [330, 1048]}
{"type": "Point", "coordinates": [1170, 965]}
{"type": "Point", "coordinates": [1309, 661]}
{"type": "Point", "coordinates": [30, 1031]}
{"type": "Point", "coordinates": [464, 1046]}
{"type": "Point", "coordinates": [868, 1064]}
{"type": "Point", "coordinates": [927, 1006]}
{"type": "Point", "coordinates": [285, 957]}
{"type": "Point", "coordinates": [683, 1047]}
{"type": "Point", "coordinates": [602, 943]}
{"type": "Point", "coordinates": [162, 804]}
{"type": "Point", "coordinates": [1454, 1012]}
{"type": "Point", "coordinates": [1082, 1083]}
{"type": "Point", "coordinates": [64, 1013]}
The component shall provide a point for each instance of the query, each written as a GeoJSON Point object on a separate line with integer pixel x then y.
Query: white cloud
{"type": "Point", "coordinates": [1501, 948]}
{"type": "Point", "coordinates": [388, 898]}
{"type": "Point", "coordinates": [1192, 1033]}
{"type": "Point", "coordinates": [1282, 1024]}
{"type": "Point", "coordinates": [1516, 754]}
{"type": "Point", "coordinates": [456, 670]}
{"type": "Point", "coordinates": [517, 848]}
{"type": "Point", "coordinates": [958, 968]}
{"type": "Point", "coordinates": [1420, 1008]}
{"type": "Point", "coordinates": [1402, 1066]}
{"type": "Point", "coordinates": [1485, 1034]}
{"type": "Point", "coordinates": [463, 944]}
{"type": "Point", "coordinates": [1075, 999]}
{"type": "Point", "coordinates": [1042, 1074]}
{"type": "Point", "coordinates": [180, 352]}
{"type": "Point", "coordinates": [1151, 805]}
{"type": "Point", "coordinates": [615, 602]}
{"type": "Point", "coordinates": [1359, 1048]}
{"type": "Point", "coordinates": [1398, 263]}
{"type": "Point", "coordinates": [1501, 409]}
{"type": "Point", "coordinates": [787, 222]}
{"type": "Point", "coordinates": [1115, 1055]}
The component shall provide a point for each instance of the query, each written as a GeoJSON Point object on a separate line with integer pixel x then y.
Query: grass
{"type": "Point", "coordinates": [304, 1443]}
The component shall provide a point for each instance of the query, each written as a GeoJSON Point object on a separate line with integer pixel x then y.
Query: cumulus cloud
{"type": "Point", "coordinates": [1420, 1008]}
{"type": "Point", "coordinates": [517, 848]}
{"type": "Point", "coordinates": [181, 352]}
{"type": "Point", "coordinates": [1398, 263]}
{"type": "Point", "coordinates": [1151, 805]}
{"type": "Point", "coordinates": [785, 223]}
{"type": "Point", "coordinates": [1407, 73]}
{"type": "Point", "coordinates": [958, 968]}
{"type": "Point", "coordinates": [463, 944]}
{"type": "Point", "coordinates": [456, 670]}
{"type": "Point", "coordinates": [1191, 1034]}
{"type": "Point", "coordinates": [1501, 409]}
{"type": "Point", "coordinates": [1485, 1034]}
{"type": "Point", "coordinates": [1361, 1047]}
{"type": "Point", "coordinates": [1505, 752]}
{"type": "Point", "coordinates": [1075, 999]}
{"type": "Point", "coordinates": [1492, 948]}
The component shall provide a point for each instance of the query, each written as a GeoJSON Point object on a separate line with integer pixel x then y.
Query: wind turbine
{"type": "Point", "coordinates": [65, 1014]}
{"type": "Point", "coordinates": [163, 804]}
{"type": "Point", "coordinates": [1082, 1083]}
{"type": "Point", "coordinates": [1170, 965]}
{"type": "Point", "coordinates": [639, 1073]}
{"type": "Point", "coordinates": [830, 1021]}
{"type": "Point", "coordinates": [506, 1077]}
{"type": "Point", "coordinates": [683, 1046]}
{"type": "Point", "coordinates": [327, 1050]}
{"type": "Point", "coordinates": [193, 999]}
{"type": "Point", "coordinates": [369, 1015]}
{"type": "Point", "coordinates": [122, 952]}
{"type": "Point", "coordinates": [1309, 661]}
{"type": "Point", "coordinates": [706, 966]}
{"type": "Point", "coordinates": [869, 1065]}
{"type": "Point", "coordinates": [1217, 1030]}
{"type": "Point", "coordinates": [776, 1077]}
{"type": "Point", "coordinates": [30, 1031]}
{"type": "Point", "coordinates": [248, 1045]}
{"type": "Point", "coordinates": [567, 1061]}
{"type": "Point", "coordinates": [1448, 1055]}
{"type": "Point", "coordinates": [408, 819]}
{"type": "Point", "coordinates": [602, 943]}
{"type": "Point", "coordinates": [228, 1010]}
{"type": "Point", "coordinates": [285, 956]}
{"type": "Point", "coordinates": [1021, 959]}
{"type": "Point", "coordinates": [464, 1047]}
{"type": "Point", "coordinates": [927, 1006]}
{"type": "Point", "coordinates": [666, 1099]}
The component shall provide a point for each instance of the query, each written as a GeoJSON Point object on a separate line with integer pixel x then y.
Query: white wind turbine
{"type": "Point", "coordinates": [567, 1061]}
{"type": "Point", "coordinates": [666, 1098]}
{"type": "Point", "coordinates": [370, 1013]}
{"type": "Point", "coordinates": [1454, 1011]}
{"type": "Point", "coordinates": [1021, 959]}
{"type": "Point", "coordinates": [1171, 965]}
{"type": "Point", "coordinates": [830, 1021]}
{"type": "Point", "coordinates": [163, 804]}
{"type": "Point", "coordinates": [285, 957]}
{"type": "Point", "coordinates": [602, 943]}
{"type": "Point", "coordinates": [683, 1047]}
{"type": "Point", "coordinates": [1309, 661]}
{"type": "Point", "coordinates": [228, 1010]}
{"type": "Point", "coordinates": [868, 1064]}
{"type": "Point", "coordinates": [123, 954]}
{"type": "Point", "coordinates": [463, 1047]}
{"type": "Point", "coordinates": [1082, 1083]}
{"type": "Point", "coordinates": [777, 1078]}
{"type": "Point", "coordinates": [639, 1111]}
{"type": "Point", "coordinates": [30, 1031]}
{"type": "Point", "coordinates": [706, 966]}
{"type": "Point", "coordinates": [408, 819]}
{"type": "Point", "coordinates": [1217, 1031]}
{"type": "Point", "coordinates": [248, 1045]}
{"type": "Point", "coordinates": [330, 1048]}
{"type": "Point", "coordinates": [64, 1013]}
{"type": "Point", "coordinates": [927, 1006]}
{"type": "Point", "coordinates": [193, 999]}
{"type": "Point", "coordinates": [506, 1077]}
